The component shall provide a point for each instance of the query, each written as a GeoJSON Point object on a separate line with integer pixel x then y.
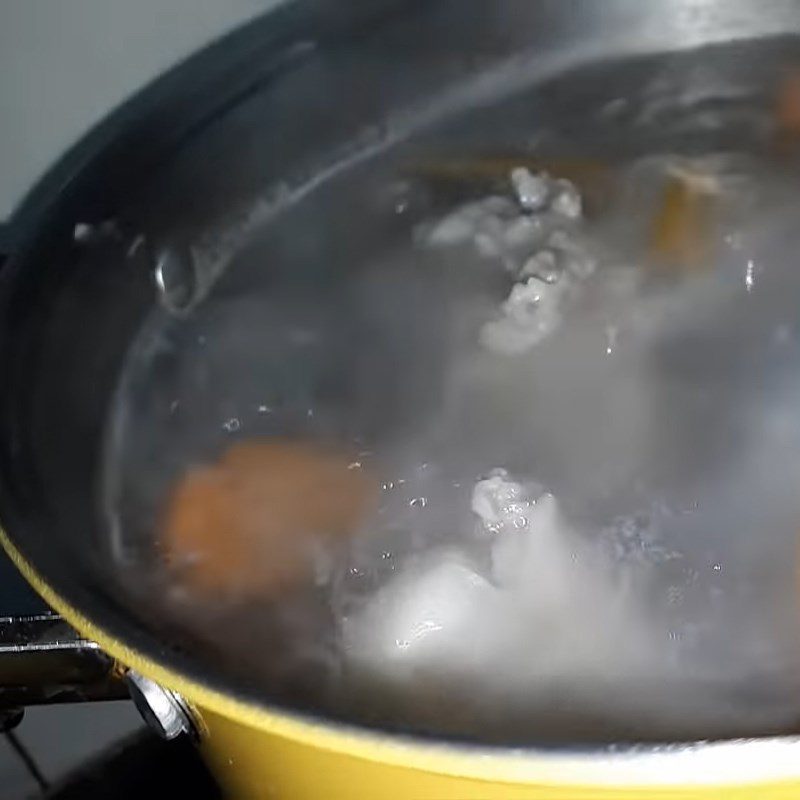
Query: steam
{"type": "Point", "coordinates": [591, 536]}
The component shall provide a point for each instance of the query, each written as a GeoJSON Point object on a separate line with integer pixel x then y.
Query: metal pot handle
{"type": "Point", "coordinates": [43, 660]}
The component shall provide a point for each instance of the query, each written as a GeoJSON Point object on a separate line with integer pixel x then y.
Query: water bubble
{"type": "Point", "coordinates": [82, 232]}
{"type": "Point", "coordinates": [232, 425]}
{"type": "Point", "coordinates": [419, 502]}
{"type": "Point", "coordinates": [717, 567]}
{"type": "Point", "coordinates": [386, 555]}
{"type": "Point", "coordinates": [264, 409]}
{"type": "Point", "coordinates": [749, 277]}
{"type": "Point", "coordinates": [520, 523]}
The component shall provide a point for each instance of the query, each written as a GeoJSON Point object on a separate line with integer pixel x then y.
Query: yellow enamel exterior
{"type": "Point", "coordinates": [258, 753]}
{"type": "Point", "coordinates": [253, 764]}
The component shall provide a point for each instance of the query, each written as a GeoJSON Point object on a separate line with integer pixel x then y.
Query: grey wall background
{"type": "Point", "coordinates": [65, 63]}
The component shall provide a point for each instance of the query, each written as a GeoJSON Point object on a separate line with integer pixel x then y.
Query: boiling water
{"type": "Point", "coordinates": [648, 439]}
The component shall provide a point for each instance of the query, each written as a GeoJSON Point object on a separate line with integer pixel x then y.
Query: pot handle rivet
{"type": "Point", "coordinates": [165, 711]}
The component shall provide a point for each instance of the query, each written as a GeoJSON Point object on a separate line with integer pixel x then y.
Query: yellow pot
{"type": "Point", "coordinates": [256, 752]}
{"type": "Point", "coordinates": [286, 78]}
